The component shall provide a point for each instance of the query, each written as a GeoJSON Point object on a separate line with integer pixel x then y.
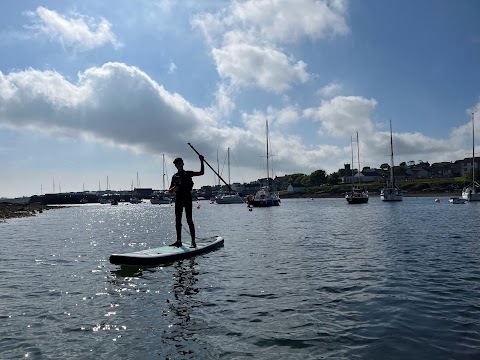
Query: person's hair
{"type": "Point", "coordinates": [177, 160]}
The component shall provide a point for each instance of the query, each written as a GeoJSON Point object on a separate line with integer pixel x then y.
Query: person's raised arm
{"type": "Point", "coordinates": [202, 167]}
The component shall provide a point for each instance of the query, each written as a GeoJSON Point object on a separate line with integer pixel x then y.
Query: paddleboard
{"type": "Point", "coordinates": [165, 254]}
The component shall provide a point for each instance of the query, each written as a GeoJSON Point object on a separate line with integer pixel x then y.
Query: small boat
{"type": "Point", "coordinates": [229, 198]}
{"type": "Point", "coordinates": [113, 202]}
{"type": "Point", "coordinates": [457, 200]}
{"type": "Point", "coordinates": [472, 191]}
{"type": "Point", "coordinates": [391, 192]}
{"type": "Point", "coordinates": [356, 195]}
{"type": "Point", "coordinates": [162, 197]}
{"type": "Point", "coordinates": [104, 200]}
{"type": "Point", "coordinates": [135, 200]}
{"type": "Point", "coordinates": [263, 197]}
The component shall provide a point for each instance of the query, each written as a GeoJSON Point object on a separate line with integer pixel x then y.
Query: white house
{"type": "Point", "coordinates": [296, 188]}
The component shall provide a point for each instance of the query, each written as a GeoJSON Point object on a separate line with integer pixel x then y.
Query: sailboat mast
{"type": "Point", "coordinates": [358, 157]}
{"type": "Point", "coordinates": [163, 172]}
{"type": "Point", "coordinates": [268, 170]}
{"type": "Point", "coordinates": [392, 179]}
{"type": "Point", "coordinates": [473, 152]}
{"type": "Point", "coordinates": [218, 170]}
{"type": "Point", "coordinates": [351, 146]}
{"type": "Point", "coordinates": [228, 163]}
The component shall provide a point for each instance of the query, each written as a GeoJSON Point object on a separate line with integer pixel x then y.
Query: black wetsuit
{"type": "Point", "coordinates": [183, 199]}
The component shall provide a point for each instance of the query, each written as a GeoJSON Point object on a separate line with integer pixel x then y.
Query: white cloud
{"type": "Point", "coordinates": [114, 103]}
{"type": "Point", "coordinates": [247, 65]}
{"type": "Point", "coordinates": [246, 38]}
{"type": "Point", "coordinates": [172, 68]}
{"type": "Point", "coordinates": [224, 105]}
{"type": "Point", "coordinates": [291, 153]}
{"type": "Point", "coordinates": [210, 25]}
{"type": "Point", "coordinates": [78, 32]}
{"type": "Point", "coordinates": [286, 116]}
{"type": "Point", "coordinates": [122, 106]}
{"type": "Point", "coordinates": [288, 21]}
{"type": "Point", "coordinates": [342, 116]}
{"type": "Point", "coordinates": [331, 89]}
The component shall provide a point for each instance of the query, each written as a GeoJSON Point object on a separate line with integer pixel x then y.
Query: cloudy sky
{"type": "Point", "coordinates": [94, 89]}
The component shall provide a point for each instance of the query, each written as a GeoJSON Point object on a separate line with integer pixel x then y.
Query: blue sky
{"type": "Point", "coordinates": [90, 89]}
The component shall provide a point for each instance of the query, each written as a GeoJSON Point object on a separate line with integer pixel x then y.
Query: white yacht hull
{"type": "Point", "coordinates": [391, 194]}
{"type": "Point", "coordinates": [470, 194]}
{"type": "Point", "coordinates": [229, 199]}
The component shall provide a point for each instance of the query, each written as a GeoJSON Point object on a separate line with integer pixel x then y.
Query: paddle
{"type": "Point", "coordinates": [213, 169]}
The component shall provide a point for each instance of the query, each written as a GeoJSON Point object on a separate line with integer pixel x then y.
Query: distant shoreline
{"type": "Point", "coordinates": [10, 211]}
{"type": "Point", "coordinates": [371, 194]}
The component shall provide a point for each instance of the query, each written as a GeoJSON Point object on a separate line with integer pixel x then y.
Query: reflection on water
{"type": "Point", "coordinates": [179, 335]}
{"type": "Point", "coordinates": [176, 314]}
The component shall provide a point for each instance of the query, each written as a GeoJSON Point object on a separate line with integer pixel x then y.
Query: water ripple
{"type": "Point", "coordinates": [306, 280]}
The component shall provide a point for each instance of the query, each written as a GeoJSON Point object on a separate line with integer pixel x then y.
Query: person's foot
{"type": "Point", "coordinates": [193, 245]}
{"type": "Point", "coordinates": [176, 243]}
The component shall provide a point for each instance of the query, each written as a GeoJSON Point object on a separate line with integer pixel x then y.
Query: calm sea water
{"type": "Point", "coordinates": [311, 279]}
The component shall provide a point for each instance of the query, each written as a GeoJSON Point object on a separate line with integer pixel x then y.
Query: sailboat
{"type": "Point", "coordinates": [162, 197]}
{"type": "Point", "coordinates": [391, 192]}
{"type": "Point", "coordinates": [263, 197]}
{"type": "Point", "coordinates": [357, 195]}
{"type": "Point", "coordinates": [472, 191]}
{"type": "Point", "coordinates": [228, 198]}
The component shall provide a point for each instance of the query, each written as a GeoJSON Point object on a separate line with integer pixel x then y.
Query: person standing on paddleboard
{"type": "Point", "coordinates": [182, 185]}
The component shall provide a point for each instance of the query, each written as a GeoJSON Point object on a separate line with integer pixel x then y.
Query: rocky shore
{"type": "Point", "coordinates": [9, 210]}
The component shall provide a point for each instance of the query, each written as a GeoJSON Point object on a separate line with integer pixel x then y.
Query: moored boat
{"type": "Point", "coordinates": [263, 197]}
{"type": "Point", "coordinates": [229, 198]}
{"type": "Point", "coordinates": [391, 192]}
{"type": "Point", "coordinates": [472, 191]}
{"type": "Point", "coordinates": [162, 197]}
{"type": "Point", "coordinates": [457, 200]}
{"type": "Point", "coordinates": [357, 195]}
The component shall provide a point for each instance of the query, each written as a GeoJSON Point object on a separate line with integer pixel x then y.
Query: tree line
{"type": "Point", "coordinates": [321, 178]}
